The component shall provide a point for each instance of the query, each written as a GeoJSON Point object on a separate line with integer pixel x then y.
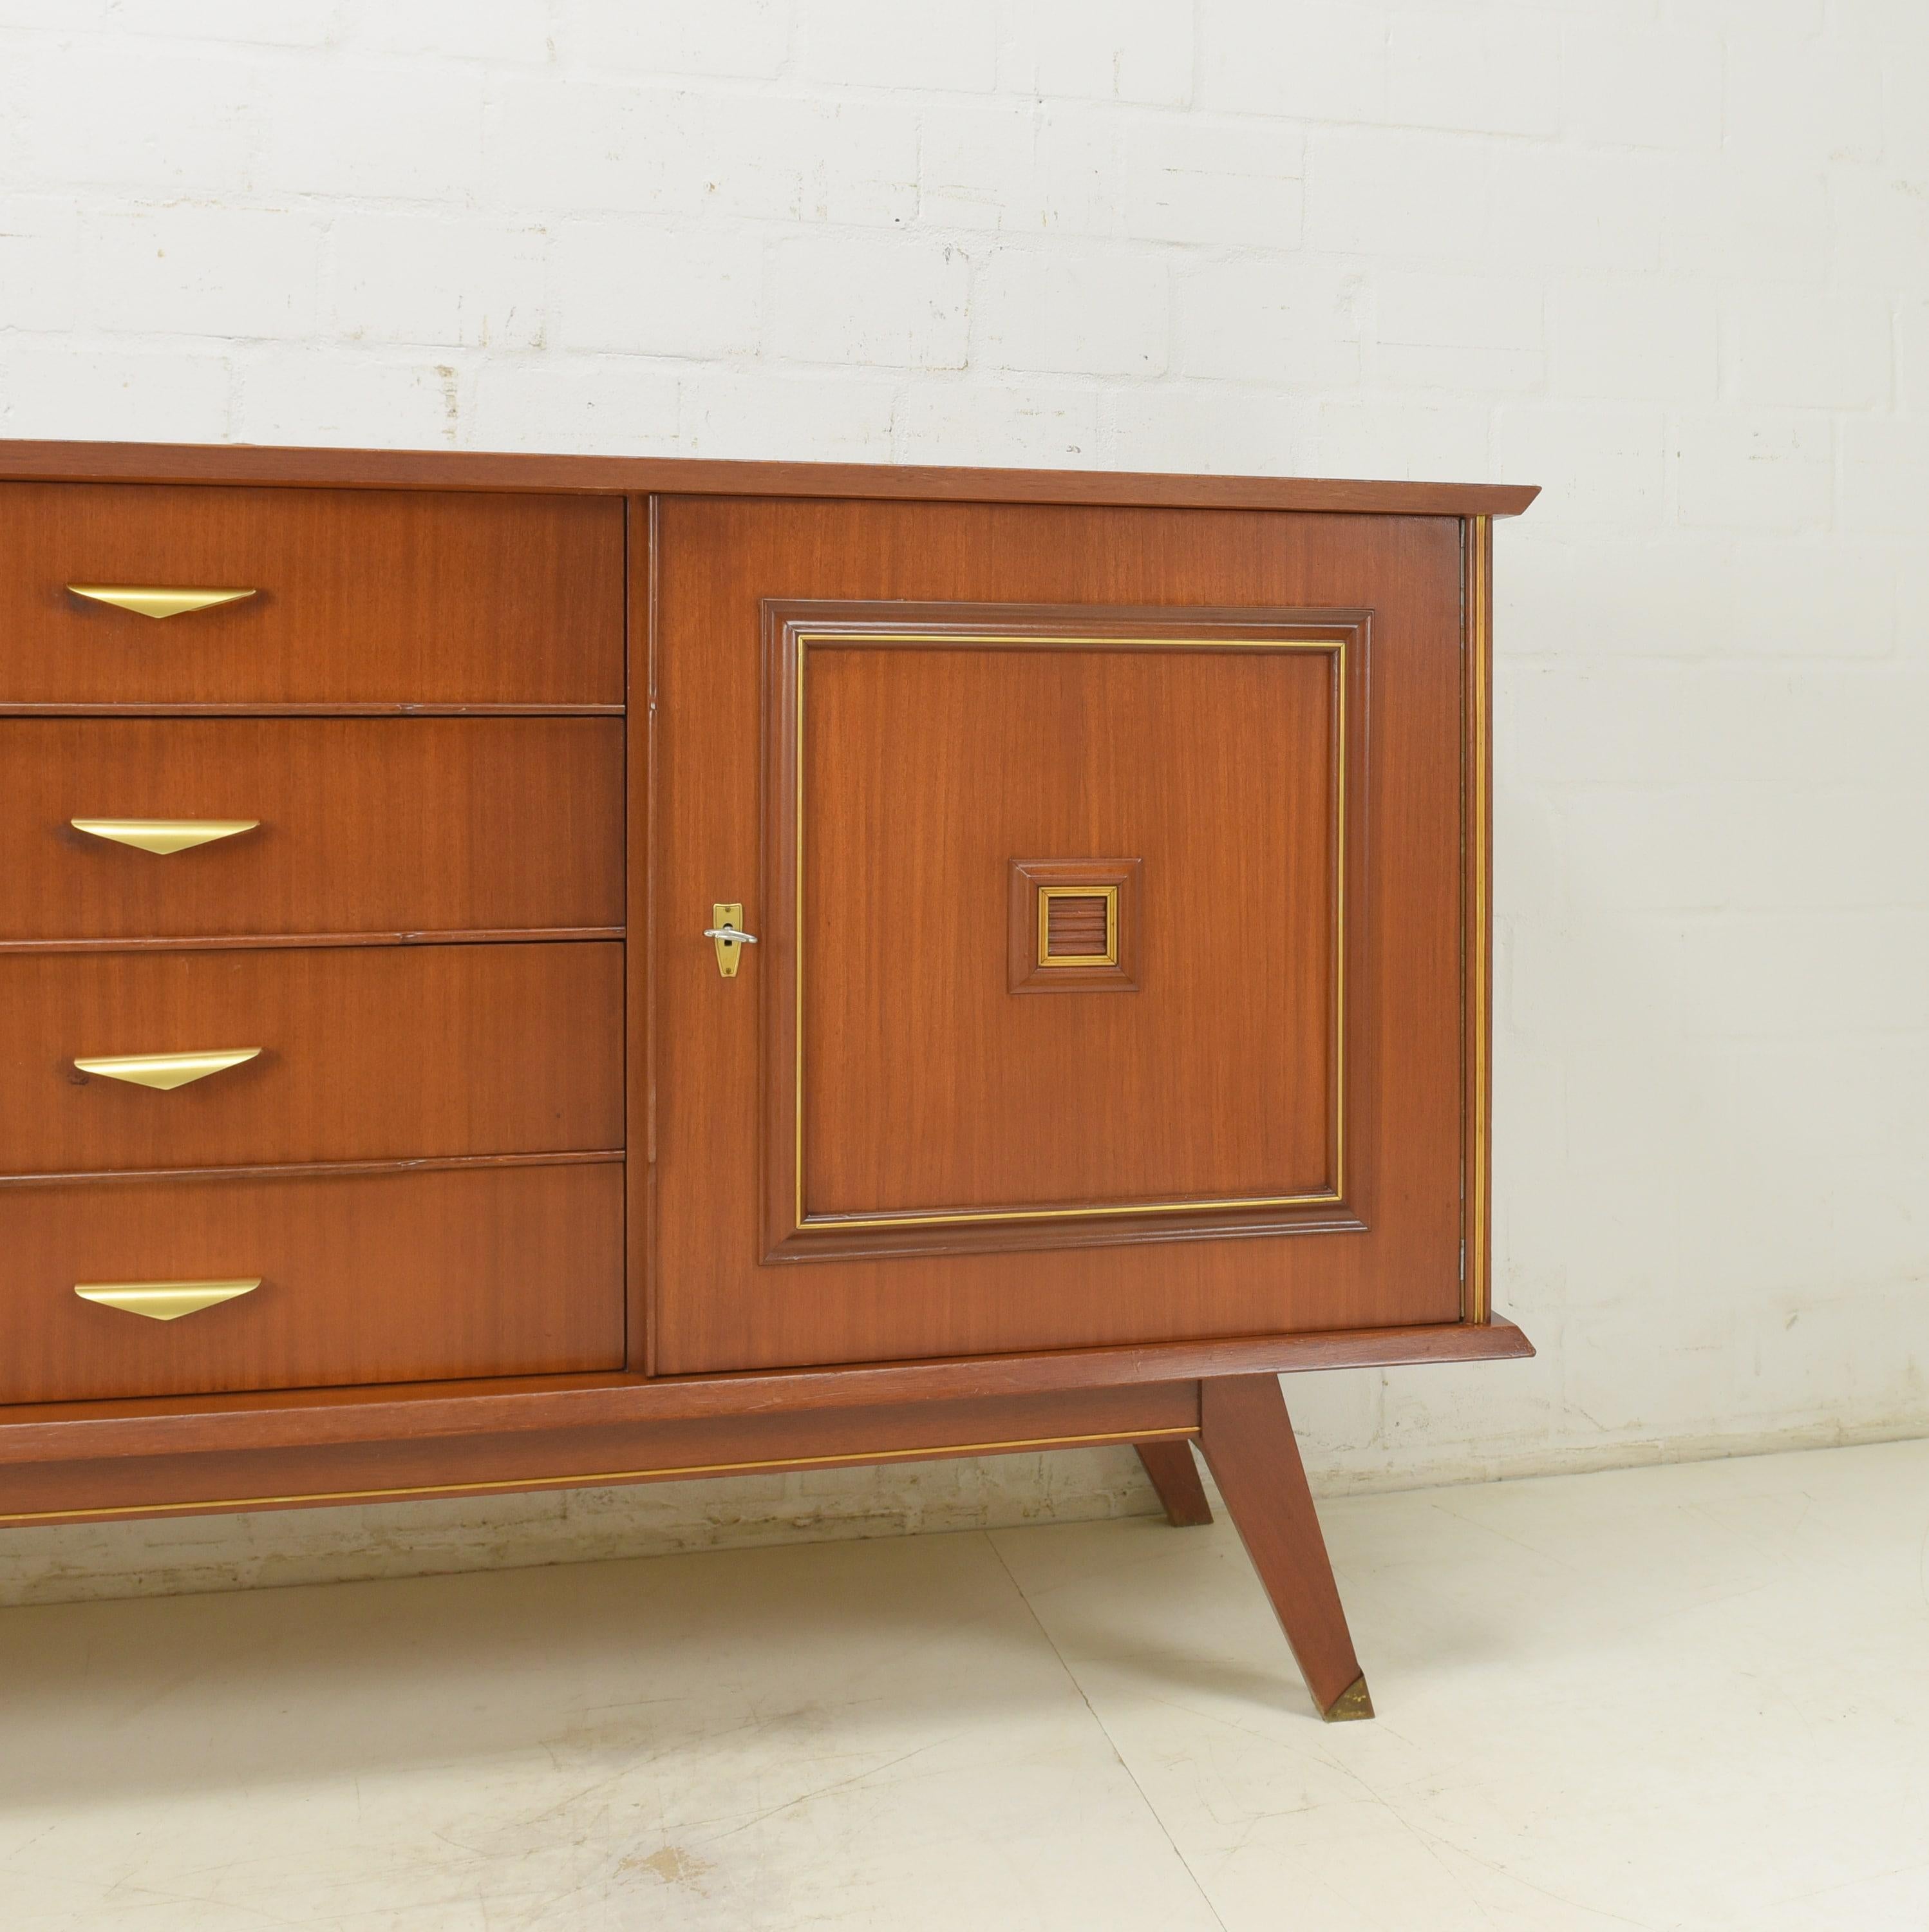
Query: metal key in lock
{"type": "Point", "coordinates": [730, 937]}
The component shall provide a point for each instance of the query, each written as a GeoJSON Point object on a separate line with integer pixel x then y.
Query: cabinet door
{"type": "Point", "coordinates": [1104, 867]}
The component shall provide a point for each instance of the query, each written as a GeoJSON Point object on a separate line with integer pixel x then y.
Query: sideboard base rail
{"type": "Point", "coordinates": [1238, 1423]}
{"type": "Point", "coordinates": [74, 1432]}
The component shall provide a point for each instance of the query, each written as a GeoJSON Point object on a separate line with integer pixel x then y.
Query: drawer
{"type": "Point", "coordinates": [362, 826]}
{"type": "Point", "coordinates": [411, 1277]}
{"type": "Point", "coordinates": [357, 596]}
{"type": "Point", "coordinates": [360, 1053]}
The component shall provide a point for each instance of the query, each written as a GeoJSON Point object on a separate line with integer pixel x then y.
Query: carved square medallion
{"type": "Point", "coordinates": [1073, 926]}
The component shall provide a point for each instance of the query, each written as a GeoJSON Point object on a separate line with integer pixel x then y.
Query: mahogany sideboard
{"type": "Point", "coordinates": [519, 971]}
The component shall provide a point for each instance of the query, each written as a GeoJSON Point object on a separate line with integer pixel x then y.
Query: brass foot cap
{"type": "Point", "coordinates": [1353, 1702]}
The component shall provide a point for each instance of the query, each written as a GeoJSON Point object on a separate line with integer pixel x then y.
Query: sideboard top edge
{"type": "Point", "coordinates": [24, 461]}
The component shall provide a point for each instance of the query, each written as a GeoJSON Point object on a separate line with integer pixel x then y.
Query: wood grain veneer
{"type": "Point", "coordinates": [365, 1278]}
{"type": "Point", "coordinates": [366, 1054]}
{"type": "Point", "coordinates": [904, 1049]}
{"type": "Point", "coordinates": [367, 825]}
{"type": "Point", "coordinates": [414, 598]}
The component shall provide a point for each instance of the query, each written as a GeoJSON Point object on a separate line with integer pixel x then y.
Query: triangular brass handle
{"type": "Point", "coordinates": [163, 1300]}
{"type": "Point", "coordinates": [165, 1072]}
{"type": "Point", "coordinates": [147, 601]}
{"type": "Point", "coordinates": [162, 835]}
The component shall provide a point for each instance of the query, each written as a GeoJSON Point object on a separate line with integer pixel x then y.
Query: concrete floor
{"type": "Point", "coordinates": [1680, 1698]}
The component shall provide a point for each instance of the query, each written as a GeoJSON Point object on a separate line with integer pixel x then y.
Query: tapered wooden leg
{"type": "Point", "coordinates": [1247, 1439]}
{"type": "Point", "coordinates": [1175, 1476]}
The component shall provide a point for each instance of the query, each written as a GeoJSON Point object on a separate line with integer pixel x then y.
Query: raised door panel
{"type": "Point", "coordinates": [358, 1054]}
{"type": "Point", "coordinates": [355, 597]}
{"type": "Point", "coordinates": [1191, 908]}
{"type": "Point", "coordinates": [897, 733]}
{"type": "Point", "coordinates": [355, 826]}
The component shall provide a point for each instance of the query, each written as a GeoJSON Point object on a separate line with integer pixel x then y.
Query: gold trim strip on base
{"type": "Point", "coordinates": [433, 1489]}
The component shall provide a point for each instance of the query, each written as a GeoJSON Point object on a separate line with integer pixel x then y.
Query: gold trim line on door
{"type": "Point", "coordinates": [831, 637]}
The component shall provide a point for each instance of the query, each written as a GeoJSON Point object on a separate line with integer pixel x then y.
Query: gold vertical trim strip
{"type": "Point", "coordinates": [804, 642]}
{"type": "Point", "coordinates": [429, 1491]}
{"type": "Point", "coordinates": [1475, 1297]}
{"type": "Point", "coordinates": [1342, 672]}
{"type": "Point", "coordinates": [641, 786]}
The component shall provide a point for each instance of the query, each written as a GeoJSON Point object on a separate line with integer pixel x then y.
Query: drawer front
{"type": "Point", "coordinates": [362, 826]}
{"type": "Point", "coordinates": [358, 1053]}
{"type": "Point", "coordinates": [364, 1278]}
{"type": "Point", "coordinates": [357, 596]}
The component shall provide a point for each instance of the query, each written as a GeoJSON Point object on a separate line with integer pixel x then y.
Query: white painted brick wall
{"type": "Point", "coordinates": [1669, 258]}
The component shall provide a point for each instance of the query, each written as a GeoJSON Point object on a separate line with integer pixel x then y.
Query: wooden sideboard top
{"type": "Point", "coordinates": [22, 461]}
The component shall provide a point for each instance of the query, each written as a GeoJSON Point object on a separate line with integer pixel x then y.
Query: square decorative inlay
{"type": "Point", "coordinates": [1072, 925]}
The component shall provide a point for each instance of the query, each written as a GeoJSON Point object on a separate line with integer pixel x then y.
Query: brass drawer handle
{"type": "Point", "coordinates": [162, 835]}
{"type": "Point", "coordinates": [148, 601]}
{"type": "Point", "coordinates": [164, 1072]}
{"type": "Point", "coordinates": [163, 1300]}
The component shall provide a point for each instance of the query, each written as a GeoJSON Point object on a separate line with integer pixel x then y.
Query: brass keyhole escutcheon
{"type": "Point", "coordinates": [725, 932]}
